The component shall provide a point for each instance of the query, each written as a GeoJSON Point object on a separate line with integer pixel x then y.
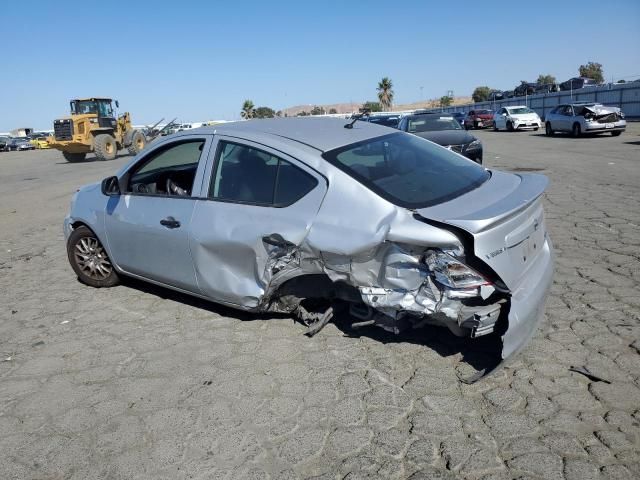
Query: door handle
{"type": "Point", "coordinates": [170, 222]}
{"type": "Point", "coordinates": [277, 240]}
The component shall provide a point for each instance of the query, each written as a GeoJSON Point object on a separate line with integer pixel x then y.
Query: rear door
{"type": "Point", "coordinates": [260, 204]}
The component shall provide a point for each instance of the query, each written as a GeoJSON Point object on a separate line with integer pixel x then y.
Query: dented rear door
{"type": "Point", "coordinates": [234, 242]}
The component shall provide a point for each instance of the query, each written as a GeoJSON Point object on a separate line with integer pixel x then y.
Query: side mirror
{"type": "Point", "coordinates": [110, 187]}
{"type": "Point", "coordinates": [503, 114]}
{"type": "Point", "coordinates": [117, 104]}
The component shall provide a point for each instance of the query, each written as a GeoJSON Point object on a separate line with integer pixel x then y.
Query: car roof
{"type": "Point", "coordinates": [320, 133]}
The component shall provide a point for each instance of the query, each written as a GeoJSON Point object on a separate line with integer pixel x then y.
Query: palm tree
{"type": "Point", "coordinates": [247, 110]}
{"type": "Point", "coordinates": [385, 93]}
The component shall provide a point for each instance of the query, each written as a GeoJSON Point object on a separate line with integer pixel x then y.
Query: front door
{"type": "Point", "coordinates": [148, 225]}
{"type": "Point", "coordinates": [260, 206]}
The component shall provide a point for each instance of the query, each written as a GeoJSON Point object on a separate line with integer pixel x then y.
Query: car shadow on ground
{"type": "Point", "coordinates": [475, 355]}
{"type": "Point", "coordinates": [637, 142]}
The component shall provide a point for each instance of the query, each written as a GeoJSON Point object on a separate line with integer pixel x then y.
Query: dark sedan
{"type": "Point", "coordinates": [17, 144]}
{"type": "Point", "coordinates": [444, 130]}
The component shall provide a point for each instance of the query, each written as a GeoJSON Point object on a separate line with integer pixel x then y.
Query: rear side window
{"type": "Point", "coordinates": [248, 175]}
{"type": "Point", "coordinates": [408, 170]}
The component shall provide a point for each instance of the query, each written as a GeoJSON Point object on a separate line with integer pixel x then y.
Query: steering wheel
{"type": "Point", "coordinates": [173, 189]}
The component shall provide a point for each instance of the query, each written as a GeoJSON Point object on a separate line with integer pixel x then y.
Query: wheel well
{"type": "Point", "coordinates": [77, 224]}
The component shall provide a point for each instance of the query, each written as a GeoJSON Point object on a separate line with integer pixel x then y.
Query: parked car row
{"type": "Point", "coordinates": [534, 88]}
{"type": "Point", "coordinates": [36, 140]}
{"type": "Point", "coordinates": [8, 144]}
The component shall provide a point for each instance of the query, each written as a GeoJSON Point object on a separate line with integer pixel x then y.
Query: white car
{"type": "Point", "coordinates": [518, 117]}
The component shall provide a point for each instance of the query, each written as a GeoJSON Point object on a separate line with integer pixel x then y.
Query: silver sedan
{"type": "Point", "coordinates": [307, 215]}
{"type": "Point", "coordinates": [580, 118]}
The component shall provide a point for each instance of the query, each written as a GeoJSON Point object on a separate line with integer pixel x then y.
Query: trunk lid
{"type": "Point", "coordinates": [506, 219]}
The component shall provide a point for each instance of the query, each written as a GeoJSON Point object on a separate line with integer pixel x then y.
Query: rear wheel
{"type": "Point", "coordinates": [548, 130]}
{"type": "Point", "coordinates": [74, 157]}
{"type": "Point", "coordinates": [105, 147]}
{"type": "Point", "coordinates": [138, 142]}
{"type": "Point", "coordinates": [89, 259]}
{"type": "Point", "coordinates": [576, 130]}
{"type": "Point", "coordinates": [616, 133]}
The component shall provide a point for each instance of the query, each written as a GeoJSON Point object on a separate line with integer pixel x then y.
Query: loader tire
{"type": "Point", "coordinates": [74, 157]}
{"type": "Point", "coordinates": [138, 142]}
{"type": "Point", "coordinates": [105, 147]}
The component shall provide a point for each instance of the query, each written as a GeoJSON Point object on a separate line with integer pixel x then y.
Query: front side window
{"type": "Point", "coordinates": [248, 175]}
{"type": "Point", "coordinates": [170, 170]}
{"type": "Point", "coordinates": [408, 170]}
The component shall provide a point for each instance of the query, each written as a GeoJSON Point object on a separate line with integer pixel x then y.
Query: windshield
{"type": "Point", "coordinates": [432, 123]}
{"type": "Point", "coordinates": [101, 107]}
{"type": "Point", "coordinates": [408, 170]}
{"type": "Point", "coordinates": [385, 121]}
{"type": "Point", "coordinates": [519, 110]}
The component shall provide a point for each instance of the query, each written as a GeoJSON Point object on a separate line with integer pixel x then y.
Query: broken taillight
{"type": "Point", "coordinates": [451, 272]}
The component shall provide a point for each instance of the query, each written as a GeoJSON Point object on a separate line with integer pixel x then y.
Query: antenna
{"type": "Point", "coordinates": [365, 113]}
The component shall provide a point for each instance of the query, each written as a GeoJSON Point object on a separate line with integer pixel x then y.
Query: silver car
{"type": "Point", "coordinates": [305, 215]}
{"type": "Point", "coordinates": [579, 118]}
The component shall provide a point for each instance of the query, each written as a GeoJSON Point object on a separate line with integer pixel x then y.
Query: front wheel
{"type": "Point", "coordinates": [548, 130]}
{"type": "Point", "coordinates": [105, 147]}
{"type": "Point", "coordinates": [74, 157]}
{"type": "Point", "coordinates": [510, 126]}
{"type": "Point", "coordinates": [616, 133]}
{"type": "Point", "coordinates": [138, 143]}
{"type": "Point", "coordinates": [89, 259]}
{"type": "Point", "coordinates": [576, 130]}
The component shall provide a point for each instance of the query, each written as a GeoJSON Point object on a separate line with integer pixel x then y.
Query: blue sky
{"type": "Point", "coordinates": [200, 60]}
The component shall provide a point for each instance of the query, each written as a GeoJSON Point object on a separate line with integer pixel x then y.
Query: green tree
{"type": "Point", "coordinates": [316, 110]}
{"type": "Point", "coordinates": [247, 110]}
{"type": "Point", "coordinates": [264, 112]}
{"type": "Point", "coordinates": [385, 93]}
{"type": "Point", "coordinates": [303, 113]}
{"type": "Point", "coordinates": [592, 70]}
{"type": "Point", "coordinates": [371, 106]}
{"type": "Point", "coordinates": [481, 94]}
{"type": "Point", "coordinates": [333, 111]}
{"type": "Point", "coordinates": [545, 79]}
{"type": "Point", "coordinates": [446, 101]}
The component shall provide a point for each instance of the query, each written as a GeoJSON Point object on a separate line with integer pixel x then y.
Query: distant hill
{"type": "Point", "coordinates": [353, 107]}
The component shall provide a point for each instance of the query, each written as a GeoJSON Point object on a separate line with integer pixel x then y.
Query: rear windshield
{"type": "Point", "coordinates": [408, 170]}
{"type": "Point", "coordinates": [432, 123]}
{"type": "Point", "coordinates": [519, 110]}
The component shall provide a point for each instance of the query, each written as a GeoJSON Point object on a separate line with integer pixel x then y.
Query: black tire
{"type": "Point", "coordinates": [576, 131]}
{"type": "Point", "coordinates": [617, 133]}
{"type": "Point", "coordinates": [89, 259]}
{"type": "Point", "coordinates": [510, 126]}
{"type": "Point", "coordinates": [547, 130]}
{"type": "Point", "coordinates": [105, 147]}
{"type": "Point", "coordinates": [138, 142]}
{"type": "Point", "coordinates": [74, 157]}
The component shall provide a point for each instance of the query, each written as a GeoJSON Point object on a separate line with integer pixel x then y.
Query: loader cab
{"type": "Point", "coordinates": [101, 107]}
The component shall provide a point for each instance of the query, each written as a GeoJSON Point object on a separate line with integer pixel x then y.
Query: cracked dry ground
{"type": "Point", "coordinates": [137, 382]}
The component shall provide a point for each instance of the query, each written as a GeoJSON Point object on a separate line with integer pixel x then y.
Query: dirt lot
{"type": "Point", "coordinates": [138, 382]}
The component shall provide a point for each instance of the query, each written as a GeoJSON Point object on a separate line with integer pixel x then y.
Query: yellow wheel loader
{"type": "Point", "coordinates": [93, 127]}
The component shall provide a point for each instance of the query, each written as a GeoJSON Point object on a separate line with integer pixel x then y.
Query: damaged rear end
{"type": "Point", "coordinates": [433, 239]}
